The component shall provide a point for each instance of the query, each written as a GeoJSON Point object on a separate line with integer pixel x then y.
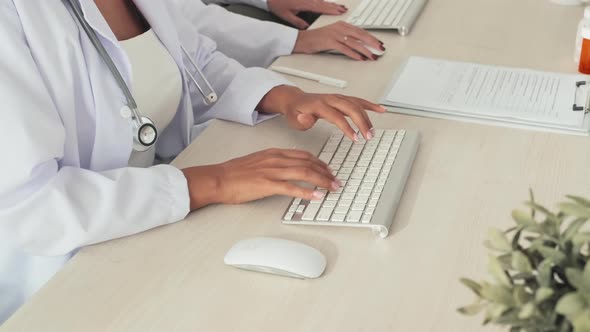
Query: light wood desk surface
{"type": "Point", "coordinates": [466, 178]}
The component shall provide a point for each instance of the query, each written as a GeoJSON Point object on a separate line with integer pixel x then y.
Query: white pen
{"type": "Point", "coordinates": [310, 76]}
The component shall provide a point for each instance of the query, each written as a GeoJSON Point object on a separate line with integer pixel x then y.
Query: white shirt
{"type": "Point", "coordinates": [262, 4]}
{"type": "Point", "coordinates": [157, 86]}
{"type": "Point", "coordinates": [66, 183]}
{"type": "Point", "coordinates": [252, 42]}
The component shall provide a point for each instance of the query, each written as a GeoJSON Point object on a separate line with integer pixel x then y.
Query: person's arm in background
{"type": "Point", "coordinates": [256, 43]}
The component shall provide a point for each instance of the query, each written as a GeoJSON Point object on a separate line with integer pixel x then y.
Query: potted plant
{"type": "Point", "coordinates": [541, 271]}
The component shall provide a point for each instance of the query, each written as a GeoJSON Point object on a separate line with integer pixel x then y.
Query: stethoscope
{"type": "Point", "coordinates": [146, 133]}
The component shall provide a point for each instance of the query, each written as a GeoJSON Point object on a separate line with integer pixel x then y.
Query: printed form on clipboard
{"type": "Point", "coordinates": [504, 96]}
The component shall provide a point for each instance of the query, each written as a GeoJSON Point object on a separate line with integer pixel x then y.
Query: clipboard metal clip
{"type": "Point", "coordinates": [586, 107]}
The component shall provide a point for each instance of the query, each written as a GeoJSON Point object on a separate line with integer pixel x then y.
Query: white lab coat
{"type": "Point", "coordinates": [261, 4]}
{"type": "Point", "coordinates": [65, 182]}
{"type": "Point", "coordinates": [252, 42]}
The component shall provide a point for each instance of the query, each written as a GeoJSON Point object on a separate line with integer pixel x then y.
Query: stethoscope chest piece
{"type": "Point", "coordinates": [145, 133]}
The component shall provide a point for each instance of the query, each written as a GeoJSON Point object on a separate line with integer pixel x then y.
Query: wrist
{"type": "Point", "coordinates": [301, 43]}
{"type": "Point", "coordinates": [278, 99]}
{"type": "Point", "coordinates": [204, 183]}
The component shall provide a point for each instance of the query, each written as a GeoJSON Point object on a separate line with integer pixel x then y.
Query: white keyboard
{"type": "Point", "coordinates": [373, 176]}
{"type": "Point", "coordinates": [387, 14]}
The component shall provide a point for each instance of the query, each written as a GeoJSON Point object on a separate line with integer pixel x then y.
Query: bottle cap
{"type": "Point", "coordinates": [587, 12]}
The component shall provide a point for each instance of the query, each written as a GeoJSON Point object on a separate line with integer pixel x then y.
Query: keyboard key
{"type": "Point", "coordinates": [300, 209]}
{"type": "Point", "coordinates": [310, 212]}
{"type": "Point", "coordinates": [369, 210]}
{"type": "Point", "coordinates": [358, 207]}
{"type": "Point", "coordinates": [354, 216]}
{"type": "Point", "coordinates": [341, 209]}
{"type": "Point", "coordinates": [345, 202]}
{"type": "Point", "coordinates": [366, 219]}
{"type": "Point", "coordinates": [293, 208]}
{"type": "Point", "coordinates": [338, 217]}
{"type": "Point", "coordinates": [288, 216]}
{"type": "Point", "coordinates": [296, 201]}
{"type": "Point", "coordinates": [324, 214]}
{"type": "Point", "coordinates": [333, 197]}
{"type": "Point", "coordinates": [349, 196]}
{"type": "Point", "coordinates": [326, 157]}
{"type": "Point", "coordinates": [329, 204]}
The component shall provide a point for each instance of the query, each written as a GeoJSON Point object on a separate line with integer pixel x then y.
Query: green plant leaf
{"type": "Point", "coordinates": [573, 228]}
{"type": "Point", "coordinates": [586, 276]}
{"type": "Point", "coordinates": [527, 311]}
{"type": "Point", "coordinates": [520, 262]}
{"type": "Point", "coordinates": [498, 240]}
{"type": "Point", "coordinates": [581, 238]}
{"type": "Point", "coordinates": [472, 309]}
{"type": "Point", "coordinates": [570, 305]}
{"type": "Point", "coordinates": [474, 286]}
{"type": "Point", "coordinates": [575, 277]}
{"type": "Point", "coordinates": [539, 208]}
{"type": "Point", "coordinates": [575, 209]}
{"type": "Point", "coordinates": [522, 218]}
{"type": "Point", "coordinates": [542, 294]}
{"type": "Point", "coordinates": [557, 257]}
{"type": "Point", "coordinates": [581, 322]}
{"type": "Point", "coordinates": [497, 294]}
{"type": "Point", "coordinates": [495, 268]}
{"type": "Point", "coordinates": [520, 295]}
{"type": "Point", "coordinates": [544, 273]}
{"type": "Point", "coordinates": [579, 200]}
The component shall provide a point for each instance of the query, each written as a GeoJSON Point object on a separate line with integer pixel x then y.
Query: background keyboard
{"type": "Point", "coordinates": [373, 175]}
{"type": "Point", "coordinates": [387, 14]}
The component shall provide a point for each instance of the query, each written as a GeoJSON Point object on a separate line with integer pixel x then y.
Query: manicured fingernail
{"type": "Point", "coordinates": [317, 194]}
{"type": "Point", "coordinates": [382, 47]}
{"type": "Point", "coordinates": [365, 58]}
{"type": "Point", "coordinates": [374, 57]}
{"type": "Point", "coordinates": [381, 42]}
{"type": "Point", "coordinates": [355, 138]}
{"type": "Point", "coordinates": [330, 169]}
{"type": "Point", "coordinates": [335, 185]}
{"type": "Point", "coordinates": [372, 130]}
{"type": "Point", "coordinates": [369, 136]}
{"type": "Point", "coordinates": [383, 108]}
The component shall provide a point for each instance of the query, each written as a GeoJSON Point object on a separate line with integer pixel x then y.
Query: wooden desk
{"type": "Point", "coordinates": [466, 178]}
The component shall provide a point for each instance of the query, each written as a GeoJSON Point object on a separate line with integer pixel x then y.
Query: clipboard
{"type": "Point", "coordinates": [580, 103]}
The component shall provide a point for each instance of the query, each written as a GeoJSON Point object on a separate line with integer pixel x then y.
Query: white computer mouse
{"type": "Point", "coordinates": [375, 51]}
{"type": "Point", "coordinates": [277, 256]}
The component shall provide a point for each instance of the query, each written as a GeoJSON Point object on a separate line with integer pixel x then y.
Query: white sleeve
{"type": "Point", "coordinates": [47, 207]}
{"type": "Point", "coordinates": [251, 42]}
{"type": "Point", "coordinates": [262, 4]}
{"type": "Point", "coordinates": [239, 89]}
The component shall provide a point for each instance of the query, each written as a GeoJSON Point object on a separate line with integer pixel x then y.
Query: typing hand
{"type": "Point", "coordinates": [339, 36]}
{"type": "Point", "coordinates": [258, 175]}
{"type": "Point", "coordinates": [288, 9]}
{"type": "Point", "coordinates": [304, 109]}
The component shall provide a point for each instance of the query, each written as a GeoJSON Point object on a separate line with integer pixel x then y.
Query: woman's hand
{"type": "Point", "coordinates": [304, 109]}
{"type": "Point", "coordinates": [258, 175]}
{"type": "Point", "coordinates": [340, 36]}
{"type": "Point", "coordinates": [288, 10]}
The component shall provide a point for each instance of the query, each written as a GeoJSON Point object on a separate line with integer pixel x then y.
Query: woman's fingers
{"type": "Point", "coordinates": [278, 162]}
{"type": "Point", "coordinates": [357, 46]}
{"type": "Point", "coordinates": [289, 189]}
{"type": "Point", "coordinates": [302, 174]}
{"type": "Point", "coordinates": [367, 104]}
{"type": "Point", "coordinates": [362, 35]}
{"type": "Point", "coordinates": [335, 116]}
{"type": "Point", "coordinates": [341, 47]}
{"type": "Point", "coordinates": [355, 111]}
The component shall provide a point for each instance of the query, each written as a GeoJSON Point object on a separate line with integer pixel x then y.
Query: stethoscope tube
{"type": "Point", "coordinates": [146, 133]}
